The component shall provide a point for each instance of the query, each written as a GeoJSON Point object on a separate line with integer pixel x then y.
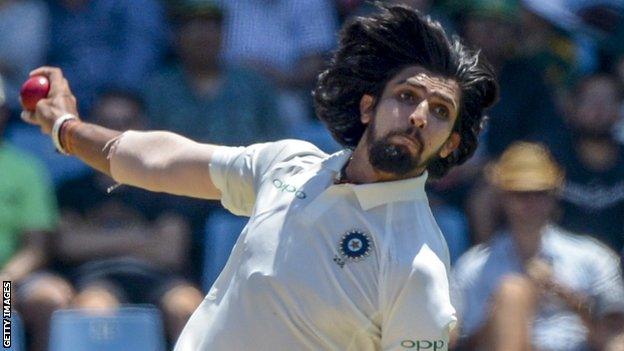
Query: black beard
{"type": "Point", "coordinates": [392, 158]}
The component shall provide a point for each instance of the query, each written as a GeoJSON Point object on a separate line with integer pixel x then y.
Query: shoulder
{"type": "Point", "coordinates": [263, 157]}
{"type": "Point", "coordinates": [289, 149]}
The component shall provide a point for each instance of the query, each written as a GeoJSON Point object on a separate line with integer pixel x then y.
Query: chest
{"type": "Point", "coordinates": [307, 242]}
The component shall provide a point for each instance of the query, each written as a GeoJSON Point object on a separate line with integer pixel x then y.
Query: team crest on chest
{"type": "Point", "coordinates": [355, 245]}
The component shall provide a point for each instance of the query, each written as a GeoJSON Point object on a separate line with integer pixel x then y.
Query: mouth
{"type": "Point", "coordinates": [409, 142]}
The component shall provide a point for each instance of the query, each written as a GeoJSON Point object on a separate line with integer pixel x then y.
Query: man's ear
{"type": "Point", "coordinates": [450, 145]}
{"type": "Point", "coordinates": [366, 108]}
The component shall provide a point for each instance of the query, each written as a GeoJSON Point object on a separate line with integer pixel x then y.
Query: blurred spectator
{"type": "Point", "coordinates": [534, 285]}
{"type": "Point", "coordinates": [204, 98]}
{"type": "Point", "coordinates": [24, 38]}
{"type": "Point", "coordinates": [28, 215]}
{"type": "Point", "coordinates": [519, 46]}
{"type": "Point", "coordinates": [593, 195]}
{"type": "Point", "coordinates": [129, 246]}
{"type": "Point", "coordinates": [101, 43]}
{"type": "Point", "coordinates": [594, 25]}
{"type": "Point", "coordinates": [526, 110]}
{"type": "Point", "coordinates": [552, 50]}
{"type": "Point", "coordinates": [286, 40]}
{"type": "Point", "coordinates": [617, 69]}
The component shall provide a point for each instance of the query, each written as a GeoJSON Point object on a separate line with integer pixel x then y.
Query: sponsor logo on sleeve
{"type": "Point", "coordinates": [288, 188]}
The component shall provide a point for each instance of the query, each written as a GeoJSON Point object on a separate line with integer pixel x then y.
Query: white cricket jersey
{"type": "Point", "coordinates": [321, 266]}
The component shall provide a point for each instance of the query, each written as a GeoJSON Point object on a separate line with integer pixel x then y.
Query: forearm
{"type": "Point", "coordinates": [163, 162]}
{"type": "Point", "coordinates": [156, 161]}
{"type": "Point", "coordinates": [88, 142]}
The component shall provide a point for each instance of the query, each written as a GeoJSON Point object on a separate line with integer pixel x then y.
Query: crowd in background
{"type": "Point", "coordinates": [237, 72]}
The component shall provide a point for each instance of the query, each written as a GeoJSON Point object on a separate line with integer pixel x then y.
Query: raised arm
{"type": "Point", "coordinates": [157, 161]}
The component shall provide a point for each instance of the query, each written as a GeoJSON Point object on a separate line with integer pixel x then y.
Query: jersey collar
{"type": "Point", "coordinates": [375, 194]}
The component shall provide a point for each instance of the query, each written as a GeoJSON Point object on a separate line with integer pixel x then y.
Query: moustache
{"type": "Point", "coordinates": [410, 132]}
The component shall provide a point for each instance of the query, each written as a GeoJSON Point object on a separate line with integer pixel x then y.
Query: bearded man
{"type": "Point", "coordinates": [341, 251]}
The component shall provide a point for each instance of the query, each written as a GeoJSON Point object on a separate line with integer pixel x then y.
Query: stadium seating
{"type": "Point", "coordinates": [131, 328]}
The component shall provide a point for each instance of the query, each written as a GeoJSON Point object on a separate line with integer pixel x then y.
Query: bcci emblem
{"type": "Point", "coordinates": [355, 245]}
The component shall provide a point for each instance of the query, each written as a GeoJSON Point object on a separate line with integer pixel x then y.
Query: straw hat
{"type": "Point", "coordinates": [525, 167]}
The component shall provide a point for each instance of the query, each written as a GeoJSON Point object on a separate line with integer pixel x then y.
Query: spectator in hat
{"type": "Point", "coordinates": [535, 285]}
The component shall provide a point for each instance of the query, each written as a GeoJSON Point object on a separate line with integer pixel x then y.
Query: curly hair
{"type": "Point", "coordinates": [374, 49]}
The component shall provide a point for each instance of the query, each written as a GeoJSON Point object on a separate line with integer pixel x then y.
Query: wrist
{"type": "Point", "coordinates": [61, 132]}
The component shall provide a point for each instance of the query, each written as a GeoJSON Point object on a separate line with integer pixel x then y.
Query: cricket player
{"type": "Point", "coordinates": [341, 251]}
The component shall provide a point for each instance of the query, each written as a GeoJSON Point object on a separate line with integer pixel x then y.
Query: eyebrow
{"type": "Point", "coordinates": [415, 83]}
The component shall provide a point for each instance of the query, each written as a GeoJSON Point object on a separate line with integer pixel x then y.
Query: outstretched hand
{"type": "Point", "coordinates": [60, 100]}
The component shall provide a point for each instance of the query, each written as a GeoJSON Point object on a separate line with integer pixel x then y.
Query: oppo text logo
{"type": "Point", "coordinates": [285, 187]}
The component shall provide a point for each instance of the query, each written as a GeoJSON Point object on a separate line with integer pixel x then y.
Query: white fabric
{"type": "Point", "coordinates": [286, 285]}
{"type": "Point", "coordinates": [578, 262]}
{"type": "Point", "coordinates": [161, 161]}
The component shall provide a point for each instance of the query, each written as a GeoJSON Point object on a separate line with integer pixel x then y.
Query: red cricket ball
{"type": "Point", "coordinates": [33, 90]}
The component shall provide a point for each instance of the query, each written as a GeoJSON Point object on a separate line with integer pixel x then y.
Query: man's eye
{"type": "Point", "coordinates": [441, 111]}
{"type": "Point", "coordinates": [407, 97]}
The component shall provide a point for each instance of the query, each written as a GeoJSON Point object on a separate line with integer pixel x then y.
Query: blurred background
{"type": "Point", "coordinates": [236, 72]}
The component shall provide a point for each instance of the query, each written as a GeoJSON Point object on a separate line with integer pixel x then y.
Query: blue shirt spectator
{"type": "Point", "coordinates": [101, 43]}
{"type": "Point", "coordinates": [286, 40]}
{"type": "Point", "coordinates": [278, 33]}
{"type": "Point", "coordinates": [208, 100]}
{"type": "Point", "coordinates": [241, 111]}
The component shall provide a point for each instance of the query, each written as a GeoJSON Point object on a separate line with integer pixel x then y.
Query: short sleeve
{"type": "Point", "coordinates": [238, 172]}
{"type": "Point", "coordinates": [415, 302]}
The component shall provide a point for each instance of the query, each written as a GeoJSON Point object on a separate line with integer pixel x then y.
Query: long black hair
{"type": "Point", "coordinates": [374, 49]}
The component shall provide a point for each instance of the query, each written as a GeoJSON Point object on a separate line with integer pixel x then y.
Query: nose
{"type": "Point", "coordinates": [418, 118]}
